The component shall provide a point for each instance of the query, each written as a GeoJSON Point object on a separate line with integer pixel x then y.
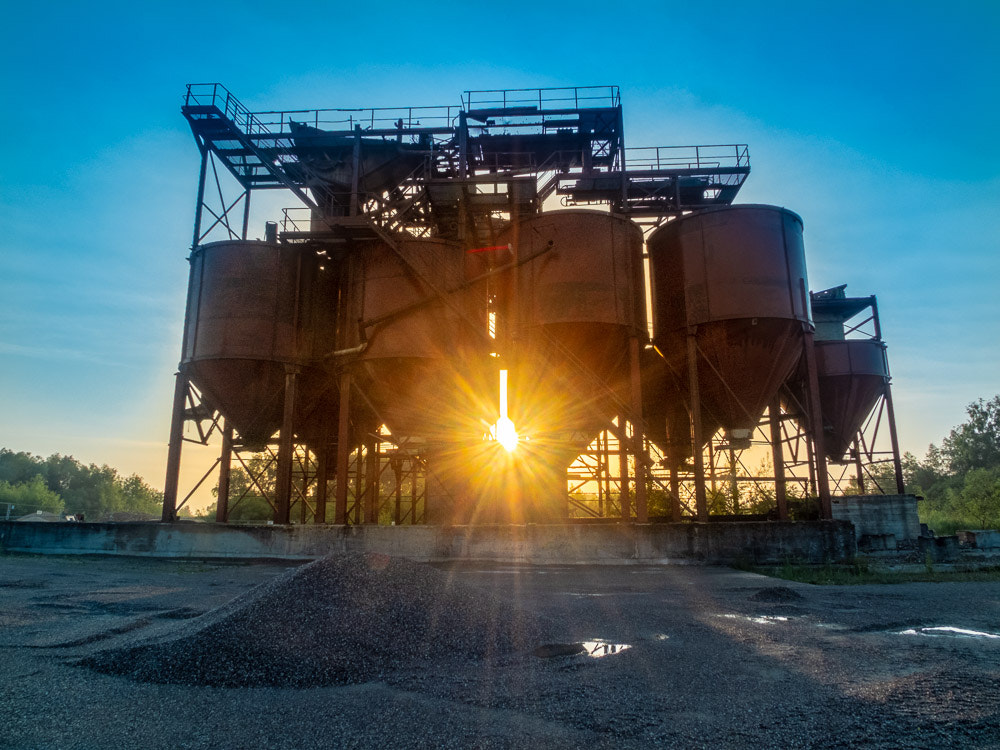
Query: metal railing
{"type": "Point", "coordinates": [376, 118]}
{"type": "Point", "coordinates": [570, 97]}
{"type": "Point", "coordinates": [714, 156]}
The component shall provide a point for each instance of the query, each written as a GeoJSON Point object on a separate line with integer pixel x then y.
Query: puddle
{"type": "Point", "coordinates": [759, 619]}
{"type": "Point", "coordinates": [600, 649]}
{"type": "Point", "coordinates": [593, 649]}
{"type": "Point", "coordinates": [949, 631]}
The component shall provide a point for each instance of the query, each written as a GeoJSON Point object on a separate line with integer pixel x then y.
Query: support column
{"type": "Point", "coordinates": [322, 474]}
{"type": "Point", "coordinates": [172, 480]}
{"type": "Point", "coordinates": [778, 458]}
{"type": "Point", "coordinates": [225, 468]}
{"type": "Point", "coordinates": [897, 463]}
{"type": "Point", "coordinates": [371, 482]}
{"type": "Point", "coordinates": [343, 449]}
{"type": "Point", "coordinates": [700, 501]}
{"type": "Point", "coordinates": [286, 449]}
{"type": "Point", "coordinates": [638, 437]}
{"type": "Point", "coordinates": [816, 420]}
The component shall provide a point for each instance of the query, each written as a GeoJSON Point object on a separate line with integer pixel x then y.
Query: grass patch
{"type": "Point", "coordinates": [862, 571]}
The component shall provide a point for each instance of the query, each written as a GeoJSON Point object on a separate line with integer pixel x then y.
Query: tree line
{"type": "Point", "coordinates": [62, 484]}
{"type": "Point", "coordinates": [960, 479]}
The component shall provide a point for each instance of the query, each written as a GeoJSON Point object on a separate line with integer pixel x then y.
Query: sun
{"type": "Point", "coordinates": [504, 431]}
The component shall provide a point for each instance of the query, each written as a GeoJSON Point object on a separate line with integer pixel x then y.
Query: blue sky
{"type": "Point", "coordinates": [876, 122]}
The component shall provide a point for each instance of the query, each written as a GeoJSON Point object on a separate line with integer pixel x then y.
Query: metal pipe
{"type": "Point", "coordinates": [858, 469]}
{"type": "Point", "coordinates": [623, 496]}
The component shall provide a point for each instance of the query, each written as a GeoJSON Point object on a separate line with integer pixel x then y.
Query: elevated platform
{"type": "Point", "coordinates": [569, 544]}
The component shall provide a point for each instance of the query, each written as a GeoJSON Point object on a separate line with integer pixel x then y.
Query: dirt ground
{"type": "Point", "coordinates": [678, 656]}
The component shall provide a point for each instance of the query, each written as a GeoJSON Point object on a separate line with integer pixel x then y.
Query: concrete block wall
{"type": "Point", "coordinates": [880, 514]}
{"type": "Point", "coordinates": [601, 544]}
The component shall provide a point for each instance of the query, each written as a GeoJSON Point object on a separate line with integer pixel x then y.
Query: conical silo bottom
{"type": "Point", "coordinates": [250, 394]}
{"type": "Point", "coordinates": [852, 378]}
{"type": "Point", "coordinates": [741, 365]}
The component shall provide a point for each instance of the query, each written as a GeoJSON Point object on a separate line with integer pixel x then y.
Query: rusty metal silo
{"type": "Point", "coordinates": [256, 309]}
{"type": "Point", "coordinates": [574, 310]}
{"type": "Point", "coordinates": [572, 307]}
{"type": "Point", "coordinates": [425, 334]}
{"type": "Point", "coordinates": [734, 279]}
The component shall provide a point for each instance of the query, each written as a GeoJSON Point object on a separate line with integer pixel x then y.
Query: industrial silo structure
{"type": "Point", "coordinates": [729, 309]}
{"type": "Point", "coordinates": [573, 308]}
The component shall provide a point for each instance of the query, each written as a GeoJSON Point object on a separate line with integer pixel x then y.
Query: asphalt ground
{"type": "Point", "coordinates": [674, 656]}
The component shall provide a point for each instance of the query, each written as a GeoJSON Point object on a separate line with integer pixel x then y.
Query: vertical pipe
{"type": "Point", "coordinates": [246, 213]}
{"type": "Point", "coordinates": [343, 449]}
{"type": "Point", "coordinates": [359, 482]}
{"type": "Point", "coordinates": [734, 489]}
{"type": "Point", "coordinates": [816, 420]}
{"type": "Point", "coordinates": [286, 450]}
{"type": "Point", "coordinates": [778, 459]}
{"type": "Point", "coordinates": [623, 497]}
{"type": "Point", "coordinates": [700, 501]}
{"type": "Point", "coordinates": [397, 491]}
{"type": "Point", "coordinates": [638, 437]}
{"type": "Point", "coordinates": [225, 469]}
{"type": "Point", "coordinates": [858, 468]}
{"type": "Point", "coordinates": [322, 476]}
{"type": "Point", "coordinates": [675, 492]}
{"type": "Point", "coordinates": [303, 505]}
{"type": "Point", "coordinates": [172, 480]}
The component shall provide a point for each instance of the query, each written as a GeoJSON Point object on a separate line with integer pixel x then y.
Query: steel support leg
{"type": "Point", "coordinates": [286, 450]}
{"type": "Point", "coordinates": [700, 500]}
{"type": "Point", "coordinates": [225, 467]}
{"type": "Point", "coordinates": [778, 458]}
{"type": "Point", "coordinates": [897, 464]}
{"type": "Point", "coordinates": [172, 481]}
{"type": "Point", "coordinates": [816, 420]}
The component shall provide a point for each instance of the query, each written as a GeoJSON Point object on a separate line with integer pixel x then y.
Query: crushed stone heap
{"type": "Point", "coordinates": [340, 620]}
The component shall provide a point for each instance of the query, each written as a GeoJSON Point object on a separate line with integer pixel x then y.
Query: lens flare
{"type": "Point", "coordinates": [504, 431]}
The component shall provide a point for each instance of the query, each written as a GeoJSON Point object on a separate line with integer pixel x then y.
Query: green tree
{"type": "Point", "coordinates": [975, 444]}
{"type": "Point", "coordinates": [30, 496]}
{"type": "Point", "coordinates": [979, 498]}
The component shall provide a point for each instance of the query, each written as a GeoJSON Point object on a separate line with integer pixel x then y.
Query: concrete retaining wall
{"type": "Point", "coordinates": [759, 542]}
{"type": "Point", "coordinates": [880, 514]}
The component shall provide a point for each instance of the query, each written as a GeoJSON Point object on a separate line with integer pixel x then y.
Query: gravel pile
{"type": "Point", "coordinates": [340, 620]}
